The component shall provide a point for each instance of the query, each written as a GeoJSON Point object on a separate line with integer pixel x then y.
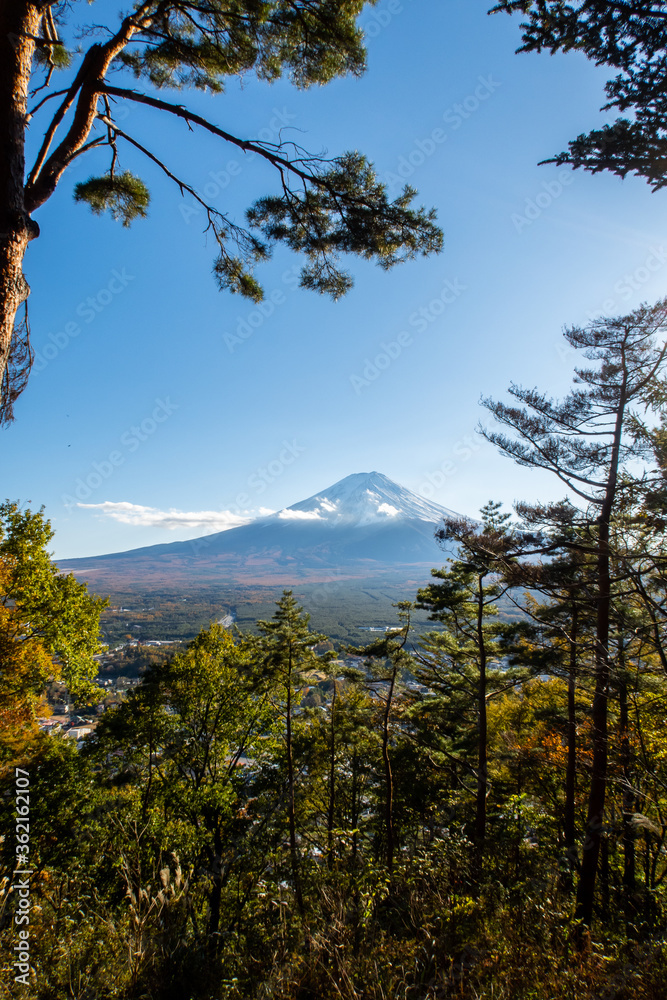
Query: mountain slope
{"type": "Point", "coordinates": [363, 525]}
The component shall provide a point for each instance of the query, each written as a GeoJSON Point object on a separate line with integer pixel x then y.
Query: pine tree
{"type": "Point", "coordinates": [324, 208]}
{"type": "Point", "coordinates": [462, 663]}
{"type": "Point", "coordinates": [286, 652]}
{"type": "Point", "coordinates": [179, 738]}
{"type": "Point", "coordinates": [588, 441]}
{"type": "Point", "coordinates": [629, 37]}
{"type": "Point", "coordinates": [385, 660]}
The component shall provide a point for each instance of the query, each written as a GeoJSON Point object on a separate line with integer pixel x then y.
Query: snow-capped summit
{"type": "Point", "coordinates": [365, 498]}
{"type": "Point", "coordinates": [361, 526]}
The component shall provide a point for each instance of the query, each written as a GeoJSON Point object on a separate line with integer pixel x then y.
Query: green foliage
{"type": "Point", "coordinates": [346, 210]}
{"type": "Point", "coordinates": [311, 42]}
{"type": "Point", "coordinates": [630, 38]}
{"type": "Point", "coordinates": [54, 55]}
{"type": "Point", "coordinates": [52, 609]}
{"type": "Point", "coordinates": [325, 208]}
{"type": "Point", "coordinates": [288, 643]}
{"type": "Point", "coordinates": [221, 836]}
{"type": "Point", "coordinates": [125, 196]}
{"type": "Point", "coordinates": [232, 275]}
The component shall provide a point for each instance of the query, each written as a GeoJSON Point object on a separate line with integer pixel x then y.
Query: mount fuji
{"type": "Point", "coordinates": [363, 526]}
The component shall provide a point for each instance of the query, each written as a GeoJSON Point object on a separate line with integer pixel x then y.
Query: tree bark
{"type": "Point", "coordinates": [629, 865]}
{"type": "Point", "coordinates": [482, 736]}
{"type": "Point", "coordinates": [598, 787]}
{"type": "Point", "coordinates": [332, 781]}
{"type": "Point", "coordinates": [215, 897]}
{"type": "Point", "coordinates": [388, 776]}
{"type": "Point", "coordinates": [19, 198]}
{"type": "Point", "coordinates": [19, 24]}
{"type": "Point", "coordinates": [294, 854]}
{"type": "Point", "coordinates": [84, 94]}
{"type": "Point", "coordinates": [354, 811]}
{"type": "Point", "coordinates": [571, 769]}
{"type": "Point", "coordinates": [354, 814]}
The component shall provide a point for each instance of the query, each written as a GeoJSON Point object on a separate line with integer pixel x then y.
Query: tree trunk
{"type": "Point", "coordinates": [18, 21]}
{"type": "Point", "coordinates": [389, 779]}
{"type": "Point", "coordinates": [571, 770]}
{"type": "Point", "coordinates": [604, 879]}
{"type": "Point", "coordinates": [215, 897]}
{"type": "Point", "coordinates": [482, 736]}
{"type": "Point", "coordinates": [598, 788]}
{"type": "Point", "coordinates": [354, 811]}
{"type": "Point", "coordinates": [294, 856]}
{"type": "Point", "coordinates": [20, 25]}
{"type": "Point", "coordinates": [629, 874]}
{"type": "Point", "coordinates": [332, 782]}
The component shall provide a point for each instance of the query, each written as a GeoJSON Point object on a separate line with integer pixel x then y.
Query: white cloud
{"type": "Point", "coordinates": [153, 517]}
{"type": "Point", "coordinates": [300, 515]}
{"type": "Point", "coordinates": [386, 508]}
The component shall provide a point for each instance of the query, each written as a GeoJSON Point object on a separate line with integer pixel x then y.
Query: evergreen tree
{"type": "Point", "coordinates": [183, 735]}
{"type": "Point", "coordinates": [463, 661]}
{"type": "Point", "coordinates": [566, 624]}
{"type": "Point", "coordinates": [390, 652]}
{"type": "Point", "coordinates": [286, 654]}
{"type": "Point", "coordinates": [587, 441]}
{"type": "Point", "coordinates": [628, 36]}
{"type": "Point", "coordinates": [134, 835]}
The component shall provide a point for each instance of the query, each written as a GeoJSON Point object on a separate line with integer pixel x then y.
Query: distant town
{"type": "Point", "coordinates": [122, 668]}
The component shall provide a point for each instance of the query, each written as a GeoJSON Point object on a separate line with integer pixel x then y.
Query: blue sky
{"type": "Point", "coordinates": [171, 409]}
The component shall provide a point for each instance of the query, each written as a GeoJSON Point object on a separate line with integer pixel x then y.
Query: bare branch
{"type": "Point", "coordinates": [33, 111]}
{"type": "Point", "coordinates": [248, 146]}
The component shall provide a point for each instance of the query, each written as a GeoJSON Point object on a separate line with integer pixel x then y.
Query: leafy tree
{"type": "Point", "coordinates": [328, 741]}
{"type": "Point", "coordinates": [636, 643]}
{"type": "Point", "coordinates": [182, 734]}
{"type": "Point", "coordinates": [125, 833]}
{"type": "Point", "coordinates": [588, 441]}
{"type": "Point", "coordinates": [354, 742]}
{"type": "Point", "coordinates": [628, 36]}
{"type": "Point", "coordinates": [323, 209]}
{"type": "Point", "coordinates": [49, 623]}
{"type": "Point", "coordinates": [528, 763]}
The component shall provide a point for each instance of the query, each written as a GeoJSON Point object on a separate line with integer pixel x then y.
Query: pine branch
{"type": "Point", "coordinates": [248, 146]}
